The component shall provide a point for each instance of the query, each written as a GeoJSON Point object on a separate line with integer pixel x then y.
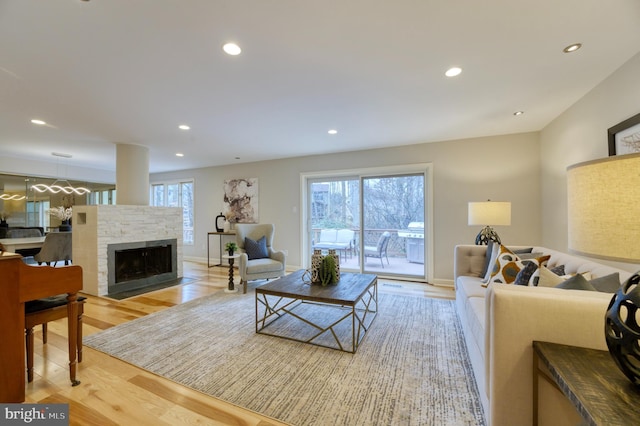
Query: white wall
{"type": "Point", "coordinates": [580, 134]}
{"type": "Point", "coordinates": [500, 168]}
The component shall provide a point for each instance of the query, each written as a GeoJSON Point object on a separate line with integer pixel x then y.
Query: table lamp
{"type": "Point", "coordinates": [604, 222]}
{"type": "Point", "coordinates": [489, 213]}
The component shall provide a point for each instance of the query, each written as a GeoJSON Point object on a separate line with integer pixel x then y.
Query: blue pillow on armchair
{"type": "Point", "coordinates": [256, 249]}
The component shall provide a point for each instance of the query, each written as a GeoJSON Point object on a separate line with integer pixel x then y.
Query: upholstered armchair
{"type": "Point", "coordinates": [56, 246]}
{"type": "Point", "coordinates": [258, 259]}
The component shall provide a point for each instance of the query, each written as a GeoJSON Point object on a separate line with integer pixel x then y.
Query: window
{"type": "Point", "coordinates": [102, 196]}
{"type": "Point", "coordinates": [176, 194]}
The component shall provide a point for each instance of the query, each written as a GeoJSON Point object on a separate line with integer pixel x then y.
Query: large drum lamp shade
{"type": "Point", "coordinates": [604, 208]}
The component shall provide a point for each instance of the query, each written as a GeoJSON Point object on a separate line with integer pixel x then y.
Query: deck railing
{"type": "Point", "coordinates": [396, 247]}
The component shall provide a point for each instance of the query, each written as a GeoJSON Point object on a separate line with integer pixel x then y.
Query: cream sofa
{"type": "Point", "coordinates": [500, 322]}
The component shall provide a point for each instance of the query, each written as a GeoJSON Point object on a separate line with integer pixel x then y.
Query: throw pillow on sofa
{"type": "Point", "coordinates": [576, 282]}
{"type": "Point", "coordinates": [607, 284]}
{"type": "Point", "coordinates": [525, 274]}
{"type": "Point", "coordinates": [550, 279]}
{"type": "Point", "coordinates": [493, 250]}
{"type": "Point", "coordinates": [508, 265]}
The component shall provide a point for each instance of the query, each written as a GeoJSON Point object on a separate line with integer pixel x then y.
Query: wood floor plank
{"type": "Point", "coordinates": [80, 414]}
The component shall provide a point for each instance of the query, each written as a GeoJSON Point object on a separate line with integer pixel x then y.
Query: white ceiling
{"type": "Point", "coordinates": [130, 71]}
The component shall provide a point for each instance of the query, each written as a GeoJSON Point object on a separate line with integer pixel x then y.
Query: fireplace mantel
{"type": "Point", "coordinates": [95, 227]}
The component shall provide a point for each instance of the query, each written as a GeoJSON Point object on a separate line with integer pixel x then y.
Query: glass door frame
{"type": "Point", "coordinates": [421, 168]}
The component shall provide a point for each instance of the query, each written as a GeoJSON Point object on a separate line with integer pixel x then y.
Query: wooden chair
{"type": "Point", "coordinates": [41, 311]}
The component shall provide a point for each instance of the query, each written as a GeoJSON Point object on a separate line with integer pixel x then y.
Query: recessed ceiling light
{"type": "Point", "coordinates": [184, 127]}
{"type": "Point", "coordinates": [179, 154]}
{"type": "Point", "coordinates": [38, 122]}
{"type": "Point", "coordinates": [572, 47]}
{"type": "Point", "coordinates": [231, 49]}
{"type": "Point", "coordinates": [332, 132]}
{"type": "Point", "coordinates": [518, 113]}
{"type": "Point", "coordinates": [452, 72]}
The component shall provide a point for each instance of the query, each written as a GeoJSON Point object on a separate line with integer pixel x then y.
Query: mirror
{"type": "Point", "coordinates": [20, 205]}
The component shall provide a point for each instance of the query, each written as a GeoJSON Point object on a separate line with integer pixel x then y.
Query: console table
{"type": "Point", "coordinates": [591, 381]}
{"type": "Point", "coordinates": [220, 236]}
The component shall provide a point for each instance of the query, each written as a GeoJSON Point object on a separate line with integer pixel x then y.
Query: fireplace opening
{"type": "Point", "coordinates": [141, 264]}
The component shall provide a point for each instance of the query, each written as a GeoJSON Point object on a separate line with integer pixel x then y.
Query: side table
{"type": "Point", "coordinates": [231, 259]}
{"type": "Point", "coordinates": [591, 381]}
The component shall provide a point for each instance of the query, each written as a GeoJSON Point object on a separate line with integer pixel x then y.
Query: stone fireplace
{"type": "Point", "coordinates": [147, 240]}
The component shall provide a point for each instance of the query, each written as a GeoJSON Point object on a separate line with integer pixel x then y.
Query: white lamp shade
{"type": "Point", "coordinates": [604, 208]}
{"type": "Point", "coordinates": [490, 213]}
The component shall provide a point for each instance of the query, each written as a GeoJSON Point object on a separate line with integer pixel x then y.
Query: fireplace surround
{"type": "Point", "coordinates": [95, 227]}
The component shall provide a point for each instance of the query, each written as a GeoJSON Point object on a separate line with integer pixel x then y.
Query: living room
{"type": "Point", "coordinates": [525, 167]}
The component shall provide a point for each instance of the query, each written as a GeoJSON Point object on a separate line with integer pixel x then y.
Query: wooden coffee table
{"type": "Point", "coordinates": [335, 316]}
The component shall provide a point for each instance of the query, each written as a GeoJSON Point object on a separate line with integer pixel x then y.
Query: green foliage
{"type": "Point", "coordinates": [231, 246]}
{"type": "Point", "coordinates": [327, 272]}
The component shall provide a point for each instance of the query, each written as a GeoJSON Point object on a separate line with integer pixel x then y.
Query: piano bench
{"type": "Point", "coordinates": [41, 311]}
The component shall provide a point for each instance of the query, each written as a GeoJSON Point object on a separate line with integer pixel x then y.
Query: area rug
{"type": "Point", "coordinates": [412, 367]}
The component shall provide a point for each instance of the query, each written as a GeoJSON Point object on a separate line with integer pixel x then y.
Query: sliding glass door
{"type": "Point", "coordinates": [393, 225]}
{"type": "Point", "coordinates": [375, 221]}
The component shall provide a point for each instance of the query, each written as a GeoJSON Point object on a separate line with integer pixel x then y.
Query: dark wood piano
{"type": "Point", "coordinates": [20, 283]}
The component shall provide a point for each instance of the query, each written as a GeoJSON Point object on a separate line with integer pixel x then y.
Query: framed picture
{"type": "Point", "coordinates": [624, 138]}
{"type": "Point", "coordinates": [241, 200]}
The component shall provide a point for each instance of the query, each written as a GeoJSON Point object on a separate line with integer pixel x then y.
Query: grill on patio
{"type": "Point", "coordinates": [414, 240]}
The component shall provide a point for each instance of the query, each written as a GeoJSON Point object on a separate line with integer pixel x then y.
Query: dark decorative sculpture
{"type": "Point", "coordinates": [220, 222]}
{"type": "Point", "coordinates": [621, 328]}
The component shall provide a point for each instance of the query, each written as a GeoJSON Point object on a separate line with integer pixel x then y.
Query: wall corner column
{"type": "Point", "coordinates": [132, 175]}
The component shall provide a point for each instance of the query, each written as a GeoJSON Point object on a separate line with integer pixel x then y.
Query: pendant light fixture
{"type": "Point", "coordinates": [60, 185]}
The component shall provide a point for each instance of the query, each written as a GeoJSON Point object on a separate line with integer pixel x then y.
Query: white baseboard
{"type": "Point", "coordinates": [441, 282]}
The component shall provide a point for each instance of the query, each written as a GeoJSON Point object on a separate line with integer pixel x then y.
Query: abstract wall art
{"type": "Point", "coordinates": [241, 200]}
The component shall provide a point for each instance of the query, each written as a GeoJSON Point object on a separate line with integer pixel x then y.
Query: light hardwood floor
{"type": "Point", "coordinates": [113, 392]}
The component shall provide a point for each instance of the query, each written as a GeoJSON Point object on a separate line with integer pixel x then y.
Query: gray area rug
{"type": "Point", "coordinates": [412, 367]}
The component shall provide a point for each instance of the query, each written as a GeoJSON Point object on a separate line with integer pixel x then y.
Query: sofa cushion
{"type": "Point", "coordinates": [576, 282]}
{"type": "Point", "coordinates": [607, 284]}
{"type": "Point", "coordinates": [261, 266]}
{"type": "Point", "coordinates": [256, 249]}
{"type": "Point", "coordinates": [487, 258]}
{"type": "Point", "coordinates": [493, 250]}
{"type": "Point", "coordinates": [470, 287]}
{"type": "Point", "coordinates": [548, 279]}
{"type": "Point", "coordinates": [508, 265]}
{"type": "Point", "coordinates": [492, 262]}
{"type": "Point", "coordinates": [475, 308]}
{"type": "Point", "coordinates": [525, 274]}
